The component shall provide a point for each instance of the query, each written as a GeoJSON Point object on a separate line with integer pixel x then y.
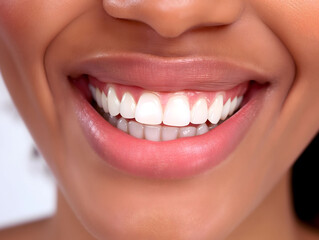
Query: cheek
{"type": "Point", "coordinates": [305, 18]}
{"type": "Point", "coordinates": [20, 51]}
{"type": "Point", "coordinates": [295, 22]}
{"type": "Point", "coordinates": [27, 28]}
{"type": "Point", "coordinates": [19, 21]}
{"type": "Point", "coordinates": [32, 24]}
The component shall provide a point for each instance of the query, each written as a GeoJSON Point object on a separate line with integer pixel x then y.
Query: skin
{"type": "Point", "coordinates": [248, 196]}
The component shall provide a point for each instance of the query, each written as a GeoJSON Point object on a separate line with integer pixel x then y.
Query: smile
{"type": "Point", "coordinates": [159, 116]}
{"type": "Point", "coordinates": [172, 127]}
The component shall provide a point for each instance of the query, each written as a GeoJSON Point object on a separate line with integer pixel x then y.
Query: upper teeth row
{"type": "Point", "coordinates": [177, 112]}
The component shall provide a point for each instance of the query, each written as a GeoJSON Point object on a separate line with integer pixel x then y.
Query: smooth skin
{"type": "Point", "coordinates": [248, 196]}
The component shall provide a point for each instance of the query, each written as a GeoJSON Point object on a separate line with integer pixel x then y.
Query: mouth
{"type": "Point", "coordinates": [158, 118]}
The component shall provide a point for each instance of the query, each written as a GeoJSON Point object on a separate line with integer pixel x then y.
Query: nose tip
{"type": "Point", "coordinates": [171, 18]}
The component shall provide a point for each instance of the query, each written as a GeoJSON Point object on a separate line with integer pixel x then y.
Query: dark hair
{"type": "Point", "coordinates": [305, 184]}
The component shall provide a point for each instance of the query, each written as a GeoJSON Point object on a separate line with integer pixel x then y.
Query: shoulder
{"type": "Point", "coordinates": [34, 230]}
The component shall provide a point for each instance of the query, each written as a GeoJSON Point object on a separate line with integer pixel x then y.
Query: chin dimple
{"type": "Point", "coordinates": [147, 117]}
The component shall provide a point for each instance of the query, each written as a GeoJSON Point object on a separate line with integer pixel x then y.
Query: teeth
{"type": "Point", "coordinates": [202, 129]}
{"type": "Point", "coordinates": [169, 133]}
{"type": "Point", "coordinates": [128, 105]}
{"type": "Point", "coordinates": [122, 125]}
{"type": "Point", "coordinates": [211, 126]}
{"type": "Point", "coordinates": [98, 97]}
{"type": "Point", "coordinates": [239, 100]}
{"type": "Point", "coordinates": [199, 112]}
{"type": "Point", "coordinates": [187, 132]}
{"type": "Point", "coordinates": [113, 102]}
{"type": "Point", "coordinates": [92, 90]}
{"type": "Point", "coordinates": [104, 103]}
{"type": "Point", "coordinates": [149, 109]}
{"type": "Point", "coordinates": [177, 111]}
{"type": "Point", "coordinates": [226, 109]}
{"type": "Point", "coordinates": [215, 110]}
{"type": "Point", "coordinates": [233, 106]}
{"type": "Point", "coordinates": [136, 129]}
{"type": "Point", "coordinates": [112, 120]}
{"type": "Point", "coordinates": [152, 133]}
{"type": "Point", "coordinates": [176, 116]}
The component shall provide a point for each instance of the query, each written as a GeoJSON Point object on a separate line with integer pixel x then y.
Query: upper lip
{"type": "Point", "coordinates": [168, 74]}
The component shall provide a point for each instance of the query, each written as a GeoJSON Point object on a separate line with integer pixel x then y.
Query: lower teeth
{"type": "Point", "coordinates": [155, 132]}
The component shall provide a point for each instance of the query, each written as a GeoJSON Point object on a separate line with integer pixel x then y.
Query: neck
{"type": "Point", "coordinates": [65, 225]}
{"type": "Point", "coordinates": [273, 219]}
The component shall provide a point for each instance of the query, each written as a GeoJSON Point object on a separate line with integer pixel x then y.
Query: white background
{"type": "Point", "coordinates": [27, 188]}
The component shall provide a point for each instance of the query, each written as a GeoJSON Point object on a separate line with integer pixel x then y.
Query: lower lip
{"type": "Point", "coordinates": [180, 158]}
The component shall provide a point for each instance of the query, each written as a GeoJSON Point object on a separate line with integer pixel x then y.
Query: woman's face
{"type": "Point", "coordinates": [119, 185]}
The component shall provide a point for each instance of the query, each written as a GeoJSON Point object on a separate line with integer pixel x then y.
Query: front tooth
{"type": "Point", "coordinates": [199, 112]}
{"type": "Point", "coordinates": [187, 132]}
{"type": "Point", "coordinates": [98, 96]}
{"type": "Point", "coordinates": [233, 106]}
{"type": "Point", "coordinates": [128, 105]}
{"type": "Point", "coordinates": [202, 129]}
{"type": "Point", "coordinates": [152, 133]}
{"type": "Point", "coordinates": [122, 125]}
{"type": "Point", "coordinates": [149, 109]}
{"type": "Point", "coordinates": [177, 111]}
{"type": "Point", "coordinates": [215, 110]}
{"type": "Point", "coordinates": [169, 133]}
{"type": "Point", "coordinates": [226, 109]}
{"type": "Point", "coordinates": [104, 103]}
{"type": "Point", "coordinates": [135, 129]}
{"type": "Point", "coordinates": [113, 102]}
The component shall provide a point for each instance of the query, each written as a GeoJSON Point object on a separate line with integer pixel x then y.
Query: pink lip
{"type": "Point", "coordinates": [167, 74]}
{"type": "Point", "coordinates": [179, 158]}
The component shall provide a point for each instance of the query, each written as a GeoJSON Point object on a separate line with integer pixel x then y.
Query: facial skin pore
{"type": "Point", "coordinates": [248, 195]}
